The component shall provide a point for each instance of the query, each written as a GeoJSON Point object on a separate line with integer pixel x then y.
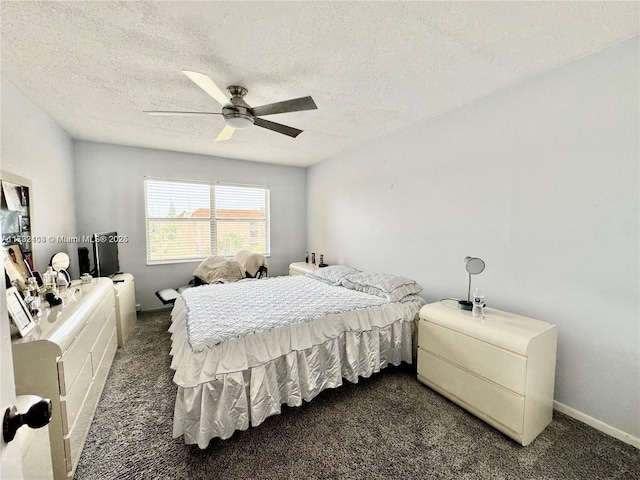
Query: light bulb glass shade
{"type": "Point", "coordinates": [239, 122]}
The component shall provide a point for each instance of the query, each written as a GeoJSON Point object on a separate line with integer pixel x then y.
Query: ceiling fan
{"type": "Point", "coordinates": [239, 114]}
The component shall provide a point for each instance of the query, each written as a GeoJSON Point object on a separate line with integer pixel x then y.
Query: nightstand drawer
{"type": "Point", "coordinates": [301, 268]}
{"type": "Point", "coordinates": [480, 397]}
{"type": "Point", "coordinates": [495, 364]}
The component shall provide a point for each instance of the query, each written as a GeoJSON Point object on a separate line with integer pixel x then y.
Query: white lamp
{"type": "Point", "coordinates": [474, 266]}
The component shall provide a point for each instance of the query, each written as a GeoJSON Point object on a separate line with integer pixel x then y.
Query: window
{"type": "Point", "coordinates": [181, 227]}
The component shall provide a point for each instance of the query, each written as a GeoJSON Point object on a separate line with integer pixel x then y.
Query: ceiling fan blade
{"type": "Point", "coordinates": [225, 134]}
{"type": "Point", "coordinates": [208, 85]}
{"type": "Point", "coordinates": [161, 112]}
{"type": "Point", "coordinates": [277, 127]}
{"type": "Point", "coordinates": [295, 105]}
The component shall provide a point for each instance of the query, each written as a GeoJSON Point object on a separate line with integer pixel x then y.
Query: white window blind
{"type": "Point", "coordinates": [181, 226]}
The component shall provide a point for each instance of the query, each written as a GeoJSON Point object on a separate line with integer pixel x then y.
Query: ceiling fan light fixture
{"type": "Point", "coordinates": [240, 121]}
{"type": "Point", "coordinates": [238, 114]}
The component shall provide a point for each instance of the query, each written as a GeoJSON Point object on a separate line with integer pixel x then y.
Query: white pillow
{"type": "Point", "coordinates": [333, 274]}
{"type": "Point", "coordinates": [392, 287]}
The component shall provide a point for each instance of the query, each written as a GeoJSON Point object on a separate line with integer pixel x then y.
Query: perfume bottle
{"type": "Point", "coordinates": [50, 279]}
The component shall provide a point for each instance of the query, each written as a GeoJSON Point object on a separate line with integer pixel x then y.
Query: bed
{"type": "Point", "coordinates": [242, 350]}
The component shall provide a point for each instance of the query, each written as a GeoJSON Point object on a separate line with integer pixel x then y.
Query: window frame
{"type": "Point", "coordinates": [211, 221]}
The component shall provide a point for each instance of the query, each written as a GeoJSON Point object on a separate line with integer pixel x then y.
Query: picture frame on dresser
{"type": "Point", "coordinates": [16, 266]}
{"type": "Point", "coordinates": [18, 312]}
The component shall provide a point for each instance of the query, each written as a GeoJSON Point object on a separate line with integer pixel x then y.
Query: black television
{"type": "Point", "coordinates": [105, 254]}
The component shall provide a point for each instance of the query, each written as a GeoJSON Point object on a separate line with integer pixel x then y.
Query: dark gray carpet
{"type": "Point", "coordinates": [387, 426]}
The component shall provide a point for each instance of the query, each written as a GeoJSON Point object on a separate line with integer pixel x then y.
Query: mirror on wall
{"type": "Point", "coordinates": [16, 226]}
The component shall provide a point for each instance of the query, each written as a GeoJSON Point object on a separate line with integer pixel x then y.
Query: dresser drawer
{"type": "Point", "coordinates": [102, 342]}
{"type": "Point", "coordinates": [495, 364]}
{"type": "Point", "coordinates": [73, 359]}
{"type": "Point", "coordinates": [72, 403]}
{"type": "Point", "coordinates": [480, 396]}
{"type": "Point", "coordinates": [74, 441]}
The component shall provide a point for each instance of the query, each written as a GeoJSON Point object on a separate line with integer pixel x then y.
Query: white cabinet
{"type": "Point", "coordinates": [126, 315]}
{"type": "Point", "coordinates": [300, 268]}
{"type": "Point", "coordinates": [501, 367]}
{"type": "Point", "coordinates": [66, 358]}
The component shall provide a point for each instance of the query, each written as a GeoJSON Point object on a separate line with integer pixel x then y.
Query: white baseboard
{"type": "Point", "coordinates": [597, 424]}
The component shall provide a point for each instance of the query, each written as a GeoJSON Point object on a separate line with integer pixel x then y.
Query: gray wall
{"type": "Point", "coordinates": [35, 147]}
{"type": "Point", "coordinates": [541, 181]}
{"type": "Point", "coordinates": [110, 196]}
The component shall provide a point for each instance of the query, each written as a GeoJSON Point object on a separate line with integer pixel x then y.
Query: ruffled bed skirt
{"type": "Point", "coordinates": [236, 400]}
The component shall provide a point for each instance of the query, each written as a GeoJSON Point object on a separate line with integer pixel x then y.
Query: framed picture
{"type": "Point", "coordinates": [25, 224]}
{"type": "Point", "coordinates": [19, 312]}
{"type": "Point", "coordinates": [15, 266]}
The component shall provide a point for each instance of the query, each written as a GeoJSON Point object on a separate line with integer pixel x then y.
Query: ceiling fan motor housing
{"type": "Point", "coordinates": [237, 114]}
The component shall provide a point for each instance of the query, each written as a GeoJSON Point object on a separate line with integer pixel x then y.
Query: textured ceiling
{"type": "Point", "coordinates": [371, 67]}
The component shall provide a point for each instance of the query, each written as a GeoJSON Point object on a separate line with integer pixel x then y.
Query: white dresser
{"type": "Point", "coordinates": [126, 315]}
{"type": "Point", "coordinates": [67, 358]}
{"type": "Point", "coordinates": [501, 367]}
{"type": "Point", "coordinates": [300, 268]}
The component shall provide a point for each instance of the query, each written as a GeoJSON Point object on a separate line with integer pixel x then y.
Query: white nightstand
{"type": "Point", "coordinates": [501, 367]}
{"type": "Point", "coordinates": [300, 268]}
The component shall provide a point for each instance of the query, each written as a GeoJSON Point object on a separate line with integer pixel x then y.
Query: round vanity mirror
{"type": "Point", "coordinates": [60, 261]}
{"type": "Point", "coordinates": [474, 265]}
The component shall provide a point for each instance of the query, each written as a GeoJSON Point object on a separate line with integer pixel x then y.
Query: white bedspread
{"type": "Point", "coordinates": [244, 379]}
{"type": "Point", "coordinates": [217, 313]}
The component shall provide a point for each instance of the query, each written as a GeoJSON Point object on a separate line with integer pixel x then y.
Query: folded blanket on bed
{"type": "Point", "coordinates": [218, 269]}
{"type": "Point", "coordinates": [251, 261]}
{"type": "Point", "coordinates": [217, 313]}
